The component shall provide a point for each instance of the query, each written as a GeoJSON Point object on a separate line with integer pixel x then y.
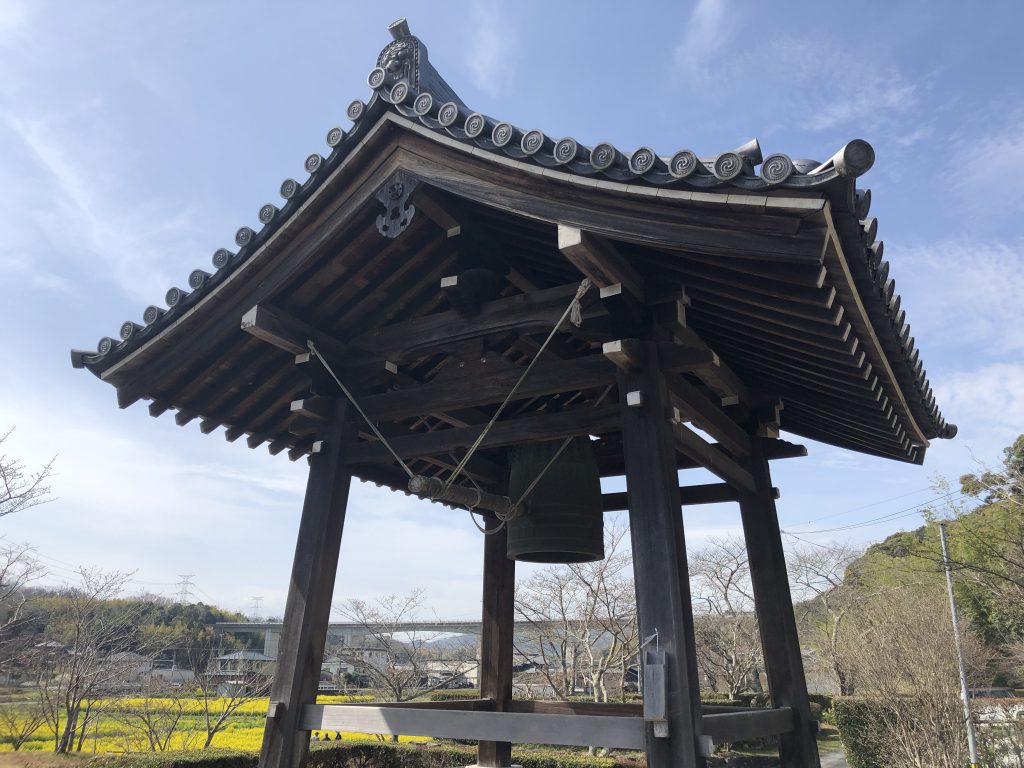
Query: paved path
{"type": "Point", "coordinates": [834, 760]}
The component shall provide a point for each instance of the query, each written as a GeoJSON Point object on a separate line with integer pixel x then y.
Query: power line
{"type": "Point", "coordinates": [891, 516]}
{"type": "Point", "coordinates": [865, 506]}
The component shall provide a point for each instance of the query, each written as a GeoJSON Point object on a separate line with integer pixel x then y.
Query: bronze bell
{"type": "Point", "coordinates": [561, 521]}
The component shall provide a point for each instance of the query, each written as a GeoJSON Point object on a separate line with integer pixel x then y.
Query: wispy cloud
{"type": "Point", "coordinates": [987, 405]}
{"type": "Point", "coordinates": [988, 166]}
{"type": "Point", "coordinates": [706, 33]}
{"type": "Point", "coordinates": [13, 19]}
{"type": "Point", "coordinates": [492, 48]}
{"type": "Point", "coordinates": [980, 285]}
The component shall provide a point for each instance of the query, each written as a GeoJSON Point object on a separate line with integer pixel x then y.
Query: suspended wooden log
{"type": "Point", "coordinates": [433, 489]}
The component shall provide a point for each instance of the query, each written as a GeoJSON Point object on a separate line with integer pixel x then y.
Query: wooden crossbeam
{"type": "Point", "coordinates": [712, 458]}
{"type": "Point", "coordinates": [730, 727]}
{"type": "Point", "coordinates": [515, 727]}
{"type": "Point", "coordinates": [534, 312]}
{"type": "Point", "coordinates": [689, 495]}
{"type": "Point", "coordinates": [582, 420]}
{"type": "Point", "coordinates": [544, 379]}
{"type": "Point", "coordinates": [708, 416]}
{"type": "Point", "coordinates": [598, 259]}
{"type": "Point", "coordinates": [277, 327]}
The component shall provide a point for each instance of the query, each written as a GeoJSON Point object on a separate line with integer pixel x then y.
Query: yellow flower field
{"type": "Point", "coordinates": [244, 730]}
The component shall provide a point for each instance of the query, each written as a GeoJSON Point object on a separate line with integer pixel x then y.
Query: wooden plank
{"type": "Point", "coordinates": [545, 379]}
{"type": "Point", "coordinates": [730, 727]}
{"type": "Point", "coordinates": [277, 327]}
{"type": "Point", "coordinates": [496, 641]}
{"type": "Point", "coordinates": [660, 568]}
{"type": "Point", "coordinates": [430, 204]}
{"type": "Point", "coordinates": [711, 458]}
{"type": "Point", "coordinates": [708, 416]}
{"type": "Point", "coordinates": [514, 727]}
{"type": "Point", "coordinates": [308, 607]}
{"type": "Point", "coordinates": [773, 605]}
{"type": "Point", "coordinates": [524, 313]}
{"type": "Point", "coordinates": [581, 420]}
{"type": "Point", "coordinates": [598, 259]}
{"type": "Point", "coordinates": [539, 707]}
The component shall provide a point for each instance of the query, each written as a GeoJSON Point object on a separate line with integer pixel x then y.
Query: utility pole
{"type": "Point", "coordinates": [972, 742]}
{"type": "Point", "coordinates": [185, 588]}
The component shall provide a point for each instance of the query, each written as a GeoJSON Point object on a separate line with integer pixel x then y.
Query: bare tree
{"type": "Point", "coordinates": [157, 719]}
{"type": "Point", "coordinates": [18, 722]}
{"type": "Point", "coordinates": [221, 699]}
{"type": "Point", "coordinates": [20, 489]}
{"type": "Point", "coordinates": [907, 669]}
{"type": "Point", "coordinates": [581, 621]}
{"type": "Point", "coordinates": [90, 651]}
{"type": "Point", "coordinates": [394, 657]}
{"type": "Point", "coordinates": [728, 643]}
{"type": "Point", "coordinates": [18, 569]}
{"type": "Point", "coordinates": [816, 573]}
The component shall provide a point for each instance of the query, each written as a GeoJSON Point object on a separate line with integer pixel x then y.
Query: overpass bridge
{"type": "Point", "coordinates": [354, 634]}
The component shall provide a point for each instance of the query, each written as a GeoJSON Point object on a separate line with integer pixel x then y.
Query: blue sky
{"type": "Point", "coordinates": [135, 138]}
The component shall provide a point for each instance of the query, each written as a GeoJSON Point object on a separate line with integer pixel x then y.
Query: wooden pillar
{"type": "Point", "coordinates": [774, 607]}
{"type": "Point", "coordinates": [308, 609]}
{"type": "Point", "coordinates": [659, 558]}
{"type": "Point", "coordinates": [496, 638]}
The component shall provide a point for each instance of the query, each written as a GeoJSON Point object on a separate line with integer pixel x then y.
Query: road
{"type": "Point", "coordinates": [834, 760]}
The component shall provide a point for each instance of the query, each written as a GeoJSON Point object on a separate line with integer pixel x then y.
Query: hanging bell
{"type": "Point", "coordinates": [561, 521]}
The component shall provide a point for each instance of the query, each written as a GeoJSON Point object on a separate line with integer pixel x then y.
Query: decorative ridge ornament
{"type": "Point", "coordinates": [398, 211]}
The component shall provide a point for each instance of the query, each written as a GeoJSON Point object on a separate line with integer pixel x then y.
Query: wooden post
{"type": "Point", "coordinates": [496, 638]}
{"type": "Point", "coordinates": [659, 558]}
{"type": "Point", "coordinates": [308, 609]}
{"type": "Point", "coordinates": [774, 607]}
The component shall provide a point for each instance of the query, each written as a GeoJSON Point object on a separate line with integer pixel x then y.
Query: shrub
{"type": "Point", "coordinates": [210, 758]}
{"type": "Point", "coordinates": [454, 694]}
{"type": "Point", "coordinates": [858, 722]}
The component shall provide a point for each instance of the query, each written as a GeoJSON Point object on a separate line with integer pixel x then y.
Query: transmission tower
{"type": "Point", "coordinates": [185, 588]}
{"type": "Point", "coordinates": [257, 604]}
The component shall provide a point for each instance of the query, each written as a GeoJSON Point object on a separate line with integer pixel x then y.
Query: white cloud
{"type": "Point", "coordinates": [491, 49]}
{"type": "Point", "coordinates": [986, 404]}
{"type": "Point", "coordinates": [14, 19]}
{"type": "Point", "coordinates": [988, 168]}
{"type": "Point", "coordinates": [707, 31]}
{"type": "Point", "coordinates": [965, 294]}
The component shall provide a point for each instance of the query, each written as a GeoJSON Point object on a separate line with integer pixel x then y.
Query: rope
{"type": "Point", "coordinates": [575, 314]}
{"type": "Point", "coordinates": [313, 350]}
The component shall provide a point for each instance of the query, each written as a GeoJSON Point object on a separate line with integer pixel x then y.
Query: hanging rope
{"type": "Point", "coordinates": [314, 351]}
{"type": "Point", "coordinates": [575, 314]}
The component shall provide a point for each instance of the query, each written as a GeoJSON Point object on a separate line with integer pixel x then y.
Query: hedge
{"type": "Point", "coordinates": [858, 724]}
{"type": "Point", "coordinates": [364, 754]}
{"type": "Point", "coordinates": [454, 694]}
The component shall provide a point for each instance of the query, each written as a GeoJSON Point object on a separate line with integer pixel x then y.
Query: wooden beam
{"type": "Point", "coordinates": [515, 727]}
{"type": "Point", "coordinates": [689, 495]}
{"type": "Point", "coordinates": [708, 416]}
{"type": "Point", "coordinates": [711, 458]}
{"type": "Point", "coordinates": [428, 202]}
{"type": "Point", "coordinates": [660, 570]}
{"type": "Point", "coordinates": [277, 327]}
{"type": "Point", "coordinates": [730, 727]}
{"type": "Point", "coordinates": [308, 607]}
{"type": "Point", "coordinates": [497, 626]}
{"type": "Point", "coordinates": [581, 420]}
{"type": "Point", "coordinates": [523, 313]}
{"type": "Point", "coordinates": [598, 259]}
{"type": "Point", "coordinates": [316, 408]}
{"type": "Point", "coordinates": [545, 379]}
{"type": "Point", "coordinates": [773, 605]}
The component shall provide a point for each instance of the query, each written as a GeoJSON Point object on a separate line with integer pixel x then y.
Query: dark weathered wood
{"type": "Point", "coordinates": [708, 416]}
{"type": "Point", "coordinates": [283, 331]}
{"type": "Point", "coordinates": [730, 727]}
{"type": "Point", "coordinates": [497, 625]}
{"type": "Point", "coordinates": [659, 555]}
{"type": "Point", "coordinates": [308, 607]}
{"type": "Point", "coordinates": [709, 493]}
{"type": "Point", "coordinates": [525, 313]}
{"type": "Point", "coordinates": [580, 420]}
{"type": "Point", "coordinates": [545, 379]}
{"type": "Point", "coordinates": [538, 707]}
{"type": "Point", "coordinates": [597, 258]}
{"type": "Point", "coordinates": [710, 457]}
{"type": "Point", "coordinates": [773, 605]}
